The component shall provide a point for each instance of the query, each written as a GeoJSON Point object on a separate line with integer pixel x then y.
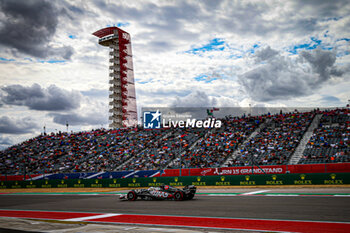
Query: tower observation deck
{"type": "Point", "coordinates": [122, 96]}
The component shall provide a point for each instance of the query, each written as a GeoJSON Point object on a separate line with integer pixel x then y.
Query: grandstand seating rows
{"type": "Point", "coordinates": [273, 143]}
{"type": "Point", "coordinates": [330, 140]}
{"type": "Point", "coordinates": [276, 142]}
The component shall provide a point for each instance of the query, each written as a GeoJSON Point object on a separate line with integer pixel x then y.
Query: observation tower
{"type": "Point", "coordinates": [122, 96]}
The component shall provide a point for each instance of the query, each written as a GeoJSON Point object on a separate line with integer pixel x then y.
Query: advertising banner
{"type": "Point", "coordinates": [218, 180]}
{"type": "Point", "coordinates": [223, 171]}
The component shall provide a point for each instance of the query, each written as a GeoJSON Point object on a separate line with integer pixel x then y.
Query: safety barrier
{"type": "Point", "coordinates": [239, 180]}
{"type": "Point", "coordinates": [226, 171]}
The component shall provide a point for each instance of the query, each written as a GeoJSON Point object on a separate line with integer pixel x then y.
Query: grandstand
{"type": "Point", "coordinates": [275, 143]}
{"type": "Point", "coordinates": [330, 140]}
{"type": "Point", "coordinates": [270, 139]}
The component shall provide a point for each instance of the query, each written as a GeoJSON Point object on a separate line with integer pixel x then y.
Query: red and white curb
{"type": "Point", "coordinates": [90, 217]}
{"type": "Point", "coordinates": [185, 221]}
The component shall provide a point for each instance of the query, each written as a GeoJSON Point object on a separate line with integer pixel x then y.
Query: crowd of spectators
{"type": "Point", "coordinates": [119, 147]}
{"type": "Point", "coordinates": [274, 141]}
{"type": "Point", "coordinates": [162, 152]}
{"type": "Point", "coordinates": [330, 141]}
{"type": "Point", "coordinates": [96, 150]}
{"type": "Point", "coordinates": [49, 153]}
{"type": "Point", "coordinates": [213, 149]}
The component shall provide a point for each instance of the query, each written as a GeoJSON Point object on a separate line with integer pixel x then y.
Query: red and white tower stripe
{"type": "Point", "coordinates": [122, 105]}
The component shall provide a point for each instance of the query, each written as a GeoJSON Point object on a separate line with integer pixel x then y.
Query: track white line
{"type": "Point", "coordinates": [224, 195]}
{"type": "Point", "coordinates": [282, 195]}
{"type": "Point", "coordinates": [92, 217]}
{"type": "Point", "coordinates": [94, 175]}
{"type": "Point", "coordinates": [255, 192]}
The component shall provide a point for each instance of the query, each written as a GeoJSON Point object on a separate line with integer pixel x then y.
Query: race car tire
{"type": "Point", "coordinates": [190, 196]}
{"type": "Point", "coordinates": [178, 196]}
{"type": "Point", "coordinates": [132, 196]}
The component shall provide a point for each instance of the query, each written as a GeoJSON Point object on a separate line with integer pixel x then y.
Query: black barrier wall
{"type": "Point", "coordinates": [248, 180]}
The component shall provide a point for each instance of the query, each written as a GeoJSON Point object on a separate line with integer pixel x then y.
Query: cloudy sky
{"type": "Point", "coordinates": [186, 53]}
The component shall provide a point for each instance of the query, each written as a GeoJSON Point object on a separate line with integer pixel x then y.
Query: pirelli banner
{"type": "Point", "coordinates": [235, 180]}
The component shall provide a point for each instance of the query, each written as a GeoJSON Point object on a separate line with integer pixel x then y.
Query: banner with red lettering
{"type": "Point", "coordinates": [225, 171]}
{"type": "Point", "coordinates": [238, 171]}
{"type": "Point", "coordinates": [281, 169]}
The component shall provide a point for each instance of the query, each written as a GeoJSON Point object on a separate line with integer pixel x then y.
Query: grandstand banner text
{"type": "Point", "coordinates": [227, 171]}
{"type": "Point", "coordinates": [243, 170]}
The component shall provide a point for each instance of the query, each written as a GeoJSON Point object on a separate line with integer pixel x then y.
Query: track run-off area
{"type": "Point", "coordinates": [276, 210]}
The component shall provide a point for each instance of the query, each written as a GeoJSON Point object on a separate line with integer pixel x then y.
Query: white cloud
{"type": "Point", "coordinates": [17, 126]}
{"type": "Point", "coordinates": [162, 32]}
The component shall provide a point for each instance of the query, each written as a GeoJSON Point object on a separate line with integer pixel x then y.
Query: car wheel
{"type": "Point", "coordinates": [190, 196]}
{"type": "Point", "coordinates": [132, 196]}
{"type": "Point", "coordinates": [178, 196]}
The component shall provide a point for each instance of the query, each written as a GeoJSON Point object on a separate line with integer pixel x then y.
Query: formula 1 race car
{"type": "Point", "coordinates": [163, 192]}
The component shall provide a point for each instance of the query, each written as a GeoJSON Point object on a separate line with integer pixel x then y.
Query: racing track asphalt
{"type": "Point", "coordinates": [261, 207]}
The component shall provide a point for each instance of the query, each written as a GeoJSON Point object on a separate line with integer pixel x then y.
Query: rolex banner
{"type": "Point", "coordinates": [218, 180]}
